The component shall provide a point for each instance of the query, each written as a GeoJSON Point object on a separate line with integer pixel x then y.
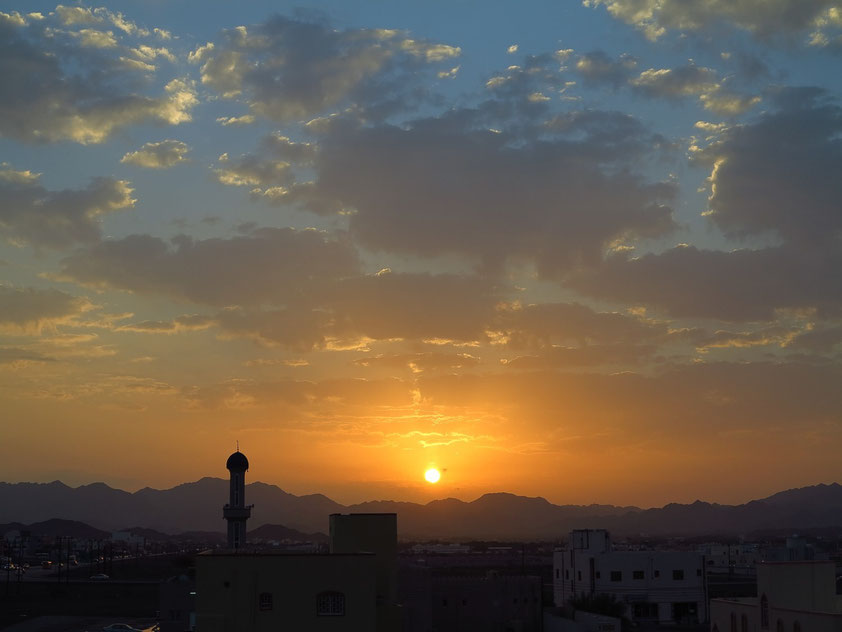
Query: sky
{"type": "Point", "coordinates": [590, 251]}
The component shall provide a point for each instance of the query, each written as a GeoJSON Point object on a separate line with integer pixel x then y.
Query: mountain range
{"type": "Point", "coordinates": [197, 506]}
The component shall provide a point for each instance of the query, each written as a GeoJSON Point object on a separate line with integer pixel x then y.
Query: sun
{"type": "Point", "coordinates": [432, 475]}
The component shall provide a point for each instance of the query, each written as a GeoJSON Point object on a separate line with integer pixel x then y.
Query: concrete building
{"type": "Point", "coordinates": [353, 588]}
{"type": "Point", "coordinates": [792, 597]}
{"type": "Point", "coordinates": [663, 587]}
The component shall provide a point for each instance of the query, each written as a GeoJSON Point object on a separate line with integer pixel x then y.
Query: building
{"type": "Point", "coordinates": [792, 597]}
{"type": "Point", "coordinates": [662, 587]}
{"type": "Point", "coordinates": [353, 588]}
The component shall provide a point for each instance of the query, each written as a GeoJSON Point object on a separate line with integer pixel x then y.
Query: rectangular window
{"type": "Point", "coordinates": [678, 574]}
{"type": "Point", "coordinates": [264, 602]}
{"type": "Point", "coordinates": [657, 573]}
{"type": "Point", "coordinates": [616, 576]}
{"type": "Point", "coordinates": [637, 574]}
{"type": "Point", "coordinates": [597, 574]}
{"type": "Point", "coordinates": [566, 574]}
{"type": "Point", "coordinates": [556, 573]}
{"type": "Point", "coordinates": [579, 575]}
{"type": "Point", "coordinates": [330, 604]}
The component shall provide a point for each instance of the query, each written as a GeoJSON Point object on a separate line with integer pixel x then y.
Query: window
{"type": "Point", "coordinates": [733, 627]}
{"type": "Point", "coordinates": [657, 573]}
{"type": "Point", "coordinates": [779, 626]}
{"type": "Point", "coordinates": [698, 572]}
{"type": "Point", "coordinates": [637, 575]}
{"type": "Point", "coordinates": [678, 574]}
{"type": "Point", "coordinates": [264, 601]}
{"type": "Point", "coordinates": [444, 602]}
{"type": "Point", "coordinates": [598, 575]}
{"type": "Point", "coordinates": [616, 576]}
{"type": "Point", "coordinates": [764, 613]}
{"type": "Point", "coordinates": [743, 623]}
{"type": "Point", "coordinates": [330, 604]}
{"type": "Point", "coordinates": [567, 574]}
{"type": "Point", "coordinates": [556, 573]}
{"type": "Point", "coordinates": [579, 575]}
{"type": "Point", "coordinates": [796, 627]}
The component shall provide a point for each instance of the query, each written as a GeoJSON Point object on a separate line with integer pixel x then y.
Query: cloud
{"type": "Point", "coordinates": [774, 178]}
{"type": "Point", "coordinates": [62, 82]}
{"type": "Point", "coordinates": [273, 266]}
{"type": "Point", "coordinates": [598, 68]}
{"type": "Point", "coordinates": [674, 83]}
{"type": "Point", "coordinates": [557, 202]}
{"type": "Point", "coordinates": [29, 310]}
{"type": "Point", "coordinates": [33, 215]}
{"type": "Point", "coordinates": [780, 173]}
{"type": "Point", "coordinates": [289, 69]}
{"type": "Point", "coordinates": [737, 285]}
{"type": "Point", "coordinates": [420, 362]}
{"type": "Point", "coordinates": [547, 324]}
{"type": "Point", "coordinates": [188, 322]}
{"type": "Point", "coordinates": [763, 19]}
{"type": "Point", "coordinates": [587, 356]}
{"type": "Point", "coordinates": [17, 355]}
{"type": "Point", "coordinates": [160, 155]}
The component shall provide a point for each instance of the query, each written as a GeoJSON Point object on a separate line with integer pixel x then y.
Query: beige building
{"type": "Point", "coordinates": [792, 597]}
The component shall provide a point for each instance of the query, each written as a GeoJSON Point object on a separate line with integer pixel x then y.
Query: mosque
{"type": "Point", "coordinates": [242, 589]}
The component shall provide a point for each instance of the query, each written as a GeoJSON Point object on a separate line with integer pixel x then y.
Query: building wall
{"type": "Point", "coordinates": [372, 533]}
{"type": "Point", "coordinates": [671, 583]}
{"type": "Point", "coordinates": [229, 589]}
{"type": "Point", "coordinates": [804, 586]}
{"type": "Point", "coordinates": [725, 613]}
{"type": "Point", "coordinates": [495, 603]}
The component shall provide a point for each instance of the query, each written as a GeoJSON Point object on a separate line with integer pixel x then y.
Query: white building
{"type": "Point", "coordinates": [792, 597]}
{"type": "Point", "coordinates": [655, 586]}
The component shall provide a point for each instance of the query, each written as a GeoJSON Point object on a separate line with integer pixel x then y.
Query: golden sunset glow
{"type": "Point", "coordinates": [366, 241]}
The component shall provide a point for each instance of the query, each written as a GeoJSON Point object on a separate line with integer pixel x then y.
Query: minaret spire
{"type": "Point", "coordinates": [236, 512]}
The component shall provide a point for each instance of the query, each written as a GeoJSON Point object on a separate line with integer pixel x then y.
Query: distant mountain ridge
{"type": "Point", "coordinates": [197, 506]}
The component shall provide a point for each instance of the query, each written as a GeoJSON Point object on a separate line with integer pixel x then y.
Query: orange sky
{"type": "Point", "coordinates": [583, 252]}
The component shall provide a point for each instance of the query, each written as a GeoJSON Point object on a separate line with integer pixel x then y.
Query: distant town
{"type": "Point", "coordinates": [360, 572]}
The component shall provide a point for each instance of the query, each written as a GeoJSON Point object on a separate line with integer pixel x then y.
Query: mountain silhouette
{"type": "Point", "coordinates": [197, 507]}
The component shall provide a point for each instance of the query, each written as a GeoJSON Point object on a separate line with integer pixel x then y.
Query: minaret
{"type": "Point", "coordinates": [236, 512]}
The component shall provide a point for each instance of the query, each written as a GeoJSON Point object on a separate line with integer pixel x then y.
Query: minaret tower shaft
{"type": "Point", "coordinates": [236, 512]}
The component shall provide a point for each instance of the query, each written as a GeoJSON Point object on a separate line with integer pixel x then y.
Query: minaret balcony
{"type": "Point", "coordinates": [235, 513]}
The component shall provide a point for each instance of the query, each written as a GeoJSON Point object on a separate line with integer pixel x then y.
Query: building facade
{"type": "Point", "coordinates": [791, 597]}
{"type": "Point", "coordinates": [655, 586]}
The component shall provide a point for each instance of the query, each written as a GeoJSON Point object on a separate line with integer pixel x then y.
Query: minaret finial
{"type": "Point", "coordinates": [238, 445]}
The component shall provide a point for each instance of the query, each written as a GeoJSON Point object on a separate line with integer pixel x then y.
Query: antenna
{"type": "Point", "coordinates": [238, 445]}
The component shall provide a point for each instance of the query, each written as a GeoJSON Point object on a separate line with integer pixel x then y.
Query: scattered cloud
{"type": "Point", "coordinates": [30, 214]}
{"type": "Point", "coordinates": [160, 155]}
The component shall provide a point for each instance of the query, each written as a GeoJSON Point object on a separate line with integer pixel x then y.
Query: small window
{"type": "Point", "coordinates": [264, 602]}
{"type": "Point", "coordinates": [796, 627]}
{"type": "Point", "coordinates": [733, 622]}
{"type": "Point", "coordinates": [637, 574]}
{"type": "Point", "coordinates": [779, 626]}
{"type": "Point", "coordinates": [657, 573]}
{"type": "Point", "coordinates": [598, 575]}
{"type": "Point", "coordinates": [678, 574]}
{"type": "Point", "coordinates": [764, 613]}
{"type": "Point", "coordinates": [464, 602]}
{"type": "Point", "coordinates": [698, 572]}
{"type": "Point", "coordinates": [616, 576]}
{"type": "Point", "coordinates": [567, 574]}
{"type": "Point", "coordinates": [744, 623]}
{"type": "Point", "coordinates": [444, 602]}
{"type": "Point", "coordinates": [579, 575]}
{"type": "Point", "coordinates": [330, 604]}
